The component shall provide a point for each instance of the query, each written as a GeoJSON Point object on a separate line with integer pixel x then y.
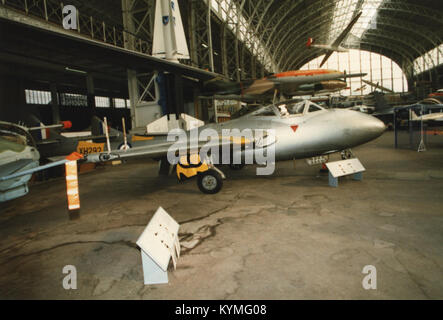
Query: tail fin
{"type": "Point", "coordinates": [97, 126]}
{"type": "Point", "coordinates": [310, 42]}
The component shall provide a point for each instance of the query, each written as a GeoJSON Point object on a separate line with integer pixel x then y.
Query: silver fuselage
{"type": "Point", "coordinates": [317, 133]}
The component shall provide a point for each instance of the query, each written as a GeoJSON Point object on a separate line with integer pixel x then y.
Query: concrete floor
{"type": "Point", "coordinates": [287, 236]}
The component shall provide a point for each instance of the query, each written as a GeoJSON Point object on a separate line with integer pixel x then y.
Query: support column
{"type": "Point", "coordinates": [55, 105]}
{"type": "Point", "coordinates": [174, 94]}
{"type": "Point", "coordinates": [192, 34]}
{"type": "Point", "coordinates": [237, 55]}
{"type": "Point", "coordinates": [209, 26]}
{"type": "Point", "coordinates": [134, 96]}
{"type": "Point", "coordinates": [138, 19]}
{"type": "Point", "coordinates": [90, 93]}
{"type": "Point", "coordinates": [224, 54]}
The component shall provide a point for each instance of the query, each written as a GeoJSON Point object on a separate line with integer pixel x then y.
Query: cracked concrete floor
{"type": "Point", "coordinates": [287, 236]}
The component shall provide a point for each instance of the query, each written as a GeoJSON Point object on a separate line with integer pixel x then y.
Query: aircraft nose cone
{"type": "Point", "coordinates": [359, 128]}
{"type": "Point", "coordinates": [376, 126]}
{"type": "Point", "coordinates": [369, 127]}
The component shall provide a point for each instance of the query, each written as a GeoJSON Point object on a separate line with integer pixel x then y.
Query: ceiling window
{"type": "Point", "coordinates": [345, 10]}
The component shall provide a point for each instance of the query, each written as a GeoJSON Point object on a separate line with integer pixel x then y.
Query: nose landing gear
{"type": "Point", "coordinates": [347, 154]}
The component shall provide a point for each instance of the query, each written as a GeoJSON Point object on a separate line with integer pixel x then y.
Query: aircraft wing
{"type": "Point", "coordinates": [74, 156]}
{"type": "Point", "coordinates": [47, 142]}
{"type": "Point", "coordinates": [159, 150]}
{"type": "Point", "coordinates": [327, 56]}
{"type": "Point", "coordinates": [345, 32]}
{"type": "Point", "coordinates": [341, 37]}
{"type": "Point", "coordinates": [13, 167]}
{"type": "Point", "coordinates": [378, 86]}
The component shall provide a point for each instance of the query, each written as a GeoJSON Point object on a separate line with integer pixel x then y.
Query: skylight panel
{"type": "Point", "coordinates": [345, 10]}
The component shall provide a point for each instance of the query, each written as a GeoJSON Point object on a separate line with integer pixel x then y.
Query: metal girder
{"type": "Point", "coordinates": [202, 33]}
{"type": "Point", "coordinates": [420, 50]}
{"type": "Point", "coordinates": [325, 8]}
{"type": "Point", "coordinates": [138, 21]}
{"type": "Point", "coordinates": [260, 10]}
{"type": "Point", "coordinates": [385, 37]}
{"type": "Point", "coordinates": [224, 53]}
{"type": "Point", "coordinates": [233, 65]}
{"type": "Point", "coordinates": [91, 26]}
{"type": "Point", "coordinates": [418, 30]}
{"type": "Point", "coordinates": [327, 5]}
{"type": "Point", "coordinates": [267, 32]}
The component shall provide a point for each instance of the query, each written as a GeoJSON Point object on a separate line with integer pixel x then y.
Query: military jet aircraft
{"type": "Point", "coordinates": [302, 130]}
{"type": "Point", "coordinates": [378, 86]}
{"type": "Point", "coordinates": [336, 45]}
{"type": "Point", "coordinates": [289, 84]}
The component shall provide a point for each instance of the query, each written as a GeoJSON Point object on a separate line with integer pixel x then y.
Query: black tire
{"type": "Point", "coordinates": [236, 167]}
{"type": "Point", "coordinates": [210, 182]}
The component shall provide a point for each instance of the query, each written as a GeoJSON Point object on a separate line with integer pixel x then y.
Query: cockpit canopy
{"type": "Point", "coordinates": [287, 109]}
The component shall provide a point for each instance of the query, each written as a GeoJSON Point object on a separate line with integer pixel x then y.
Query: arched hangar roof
{"type": "Point", "coordinates": [402, 30]}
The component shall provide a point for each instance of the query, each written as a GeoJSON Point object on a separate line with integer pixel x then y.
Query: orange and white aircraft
{"type": "Point", "coordinates": [289, 83]}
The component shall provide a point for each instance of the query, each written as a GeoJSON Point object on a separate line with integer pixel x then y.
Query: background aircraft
{"type": "Point", "coordinates": [289, 83]}
{"type": "Point", "coordinates": [378, 86]}
{"type": "Point", "coordinates": [436, 116]}
{"type": "Point", "coordinates": [336, 45]}
{"type": "Point", "coordinates": [19, 159]}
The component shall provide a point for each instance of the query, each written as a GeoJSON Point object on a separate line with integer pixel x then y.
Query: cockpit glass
{"type": "Point", "coordinates": [285, 109]}
{"type": "Point", "coordinates": [296, 108]}
{"type": "Point", "coordinates": [314, 108]}
{"type": "Point", "coordinates": [265, 112]}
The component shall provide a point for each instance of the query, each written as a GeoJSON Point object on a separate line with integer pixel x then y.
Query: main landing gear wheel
{"type": "Point", "coordinates": [236, 167]}
{"type": "Point", "coordinates": [210, 182]}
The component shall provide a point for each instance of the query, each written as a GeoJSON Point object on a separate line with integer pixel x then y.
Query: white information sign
{"type": "Point", "coordinates": [159, 242]}
{"type": "Point", "coordinates": [345, 167]}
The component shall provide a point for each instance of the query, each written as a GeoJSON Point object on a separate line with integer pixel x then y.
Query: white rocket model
{"type": "Point", "coordinates": [169, 35]}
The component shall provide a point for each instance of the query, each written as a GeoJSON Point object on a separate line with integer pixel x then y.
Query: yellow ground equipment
{"type": "Point", "coordinates": [209, 178]}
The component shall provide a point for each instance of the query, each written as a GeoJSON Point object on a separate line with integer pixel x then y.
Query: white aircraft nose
{"type": "Point", "coordinates": [367, 127]}
{"type": "Point", "coordinates": [374, 126]}
{"type": "Point", "coordinates": [358, 127]}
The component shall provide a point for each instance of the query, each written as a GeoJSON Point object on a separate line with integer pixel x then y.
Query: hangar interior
{"type": "Point", "coordinates": [288, 235]}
